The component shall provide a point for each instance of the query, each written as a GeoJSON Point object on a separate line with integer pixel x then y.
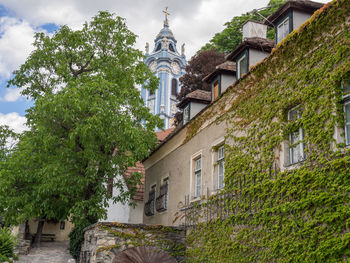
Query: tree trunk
{"type": "Point", "coordinates": [38, 233]}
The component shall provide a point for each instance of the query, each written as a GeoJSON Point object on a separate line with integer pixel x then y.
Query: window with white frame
{"type": "Point", "coordinates": [282, 30]}
{"type": "Point", "coordinates": [296, 144]}
{"type": "Point", "coordinates": [242, 66]}
{"type": "Point", "coordinates": [221, 166]}
{"type": "Point", "coordinates": [198, 177]}
{"type": "Point", "coordinates": [346, 96]}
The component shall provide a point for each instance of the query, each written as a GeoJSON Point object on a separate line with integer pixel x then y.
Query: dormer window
{"type": "Point", "coordinates": [242, 64]}
{"type": "Point", "coordinates": [283, 29]}
{"type": "Point", "coordinates": [186, 114]}
{"type": "Point", "coordinates": [216, 89]}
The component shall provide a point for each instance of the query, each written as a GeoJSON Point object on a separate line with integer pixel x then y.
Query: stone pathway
{"type": "Point", "coordinates": [48, 252]}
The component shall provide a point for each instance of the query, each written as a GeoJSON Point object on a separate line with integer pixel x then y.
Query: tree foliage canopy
{"type": "Point", "coordinates": [87, 126]}
{"type": "Point", "coordinates": [228, 39]}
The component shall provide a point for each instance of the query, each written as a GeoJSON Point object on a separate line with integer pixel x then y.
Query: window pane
{"type": "Point", "coordinates": [198, 164]}
{"type": "Point", "coordinates": [283, 30]}
{"type": "Point", "coordinates": [243, 66]}
{"type": "Point", "coordinates": [221, 172]}
{"type": "Point", "coordinates": [347, 133]}
{"type": "Point", "coordinates": [186, 114]}
{"type": "Point", "coordinates": [346, 86]}
{"type": "Point", "coordinates": [347, 113]}
{"type": "Point", "coordinates": [198, 184]}
{"type": "Point", "coordinates": [294, 114]}
{"type": "Point", "coordinates": [221, 153]}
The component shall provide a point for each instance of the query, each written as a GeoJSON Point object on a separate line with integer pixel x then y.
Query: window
{"type": "Point", "coordinates": [158, 47]}
{"type": "Point", "coordinates": [151, 93]}
{"type": "Point", "coordinates": [242, 66]}
{"type": "Point", "coordinates": [221, 167]}
{"type": "Point", "coordinates": [297, 146]}
{"type": "Point", "coordinates": [216, 89]}
{"type": "Point", "coordinates": [150, 205]}
{"type": "Point", "coordinates": [346, 91]}
{"type": "Point", "coordinates": [282, 30]}
{"type": "Point", "coordinates": [171, 48]}
{"type": "Point", "coordinates": [162, 200]}
{"type": "Point", "coordinates": [186, 114]}
{"type": "Point", "coordinates": [198, 177]}
{"type": "Point", "coordinates": [174, 87]}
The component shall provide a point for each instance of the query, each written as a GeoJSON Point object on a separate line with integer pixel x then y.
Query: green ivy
{"type": "Point", "coordinates": [300, 215]}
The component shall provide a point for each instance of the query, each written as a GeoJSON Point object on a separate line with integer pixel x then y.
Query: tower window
{"type": "Point", "coordinates": [158, 47]}
{"type": "Point", "coordinates": [174, 87]}
{"type": "Point", "coordinates": [171, 48]}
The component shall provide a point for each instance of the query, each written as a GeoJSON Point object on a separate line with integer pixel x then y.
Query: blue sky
{"type": "Point", "coordinates": [20, 19]}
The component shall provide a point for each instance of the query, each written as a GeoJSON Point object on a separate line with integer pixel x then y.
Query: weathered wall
{"type": "Point", "coordinates": [52, 228]}
{"type": "Point", "coordinates": [178, 166]}
{"type": "Point", "coordinates": [104, 241]}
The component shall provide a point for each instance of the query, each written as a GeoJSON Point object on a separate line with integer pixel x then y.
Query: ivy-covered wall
{"type": "Point", "coordinates": [297, 213]}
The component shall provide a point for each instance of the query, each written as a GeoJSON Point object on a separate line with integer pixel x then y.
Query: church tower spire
{"type": "Point", "coordinates": [168, 65]}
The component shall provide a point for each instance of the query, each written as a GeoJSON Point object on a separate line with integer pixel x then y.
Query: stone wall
{"type": "Point", "coordinates": [103, 241]}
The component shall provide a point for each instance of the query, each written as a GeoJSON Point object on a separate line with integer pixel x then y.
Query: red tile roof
{"type": "Point", "coordinates": [139, 168]}
{"type": "Point", "coordinates": [161, 135]}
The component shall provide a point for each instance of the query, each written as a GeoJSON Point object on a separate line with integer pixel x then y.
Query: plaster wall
{"type": "Point", "coordinates": [226, 81]}
{"type": "Point", "coordinates": [136, 213]}
{"type": "Point", "coordinates": [178, 166]}
{"type": "Point", "coordinates": [52, 228]}
{"type": "Point", "coordinates": [256, 56]}
{"type": "Point", "coordinates": [196, 108]}
{"type": "Point", "coordinates": [299, 18]}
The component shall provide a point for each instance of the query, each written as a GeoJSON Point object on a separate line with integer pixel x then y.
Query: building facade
{"type": "Point", "coordinates": [166, 62]}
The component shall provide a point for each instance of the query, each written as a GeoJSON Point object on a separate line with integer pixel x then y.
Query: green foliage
{"type": "Point", "coordinates": [87, 126]}
{"type": "Point", "coordinates": [227, 40]}
{"type": "Point", "coordinates": [76, 239]}
{"type": "Point", "coordinates": [300, 214]}
{"type": "Point", "coordinates": [7, 243]}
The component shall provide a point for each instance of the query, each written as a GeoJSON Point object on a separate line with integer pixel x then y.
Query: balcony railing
{"type": "Point", "coordinates": [161, 203]}
{"type": "Point", "coordinates": [149, 208]}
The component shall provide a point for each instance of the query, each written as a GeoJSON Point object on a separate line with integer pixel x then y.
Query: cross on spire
{"type": "Point", "coordinates": [166, 16]}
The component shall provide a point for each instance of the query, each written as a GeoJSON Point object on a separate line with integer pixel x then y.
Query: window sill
{"type": "Point", "coordinates": [294, 165]}
{"type": "Point", "coordinates": [195, 199]}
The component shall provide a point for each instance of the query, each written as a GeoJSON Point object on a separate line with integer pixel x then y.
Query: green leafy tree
{"type": "Point", "coordinates": [88, 123]}
{"type": "Point", "coordinates": [227, 40]}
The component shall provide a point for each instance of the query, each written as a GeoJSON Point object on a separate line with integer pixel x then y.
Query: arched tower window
{"type": "Point", "coordinates": [174, 87]}
{"type": "Point", "coordinates": [158, 47]}
{"type": "Point", "coordinates": [171, 48]}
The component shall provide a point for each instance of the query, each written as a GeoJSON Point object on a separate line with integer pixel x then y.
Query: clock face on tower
{"type": "Point", "coordinates": [153, 66]}
{"type": "Point", "coordinates": [175, 68]}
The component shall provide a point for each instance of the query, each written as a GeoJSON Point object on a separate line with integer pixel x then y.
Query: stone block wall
{"type": "Point", "coordinates": [103, 241]}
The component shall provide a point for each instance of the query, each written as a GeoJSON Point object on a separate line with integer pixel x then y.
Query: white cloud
{"type": "Point", "coordinates": [12, 95]}
{"type": "Point", "coordinates": [14, 121]}
{"type": "Point", "coordinates": [15, 44]}
{"type": "Point", "coordinates": [193, 22]}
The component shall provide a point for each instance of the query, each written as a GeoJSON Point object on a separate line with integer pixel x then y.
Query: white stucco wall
{"type": "Point", "coordinates": [226, 81]}
{"type": "Point", "coordinates": [196, 108]}
{"type": "Point", "coordinates": [256, 56]}
{"type": "Point", "coordinates": [299, 18]}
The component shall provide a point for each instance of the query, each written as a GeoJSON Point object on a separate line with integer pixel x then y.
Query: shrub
{"type": "Point", "coordinates": [7, 244]}
{"type": "Point", "coordinates": [76, 238]}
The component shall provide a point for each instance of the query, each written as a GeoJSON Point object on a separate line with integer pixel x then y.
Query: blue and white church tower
{"type": "Point", "coordinates": [168, 65]}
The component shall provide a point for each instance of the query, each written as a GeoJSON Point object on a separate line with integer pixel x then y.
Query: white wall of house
{"type": "Point", "coordinates": [226, 81]}
{"type": "Point", "coordinates": [256, 56]}
{"type": "Point", "coordinates": [299, 18]}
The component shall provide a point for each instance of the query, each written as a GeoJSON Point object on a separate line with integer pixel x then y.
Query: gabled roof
{"type": "Point", "coordinates": [200, 96]}
{"type": "Point", "coordinates": [258, 43]}
{"type": "Point", "coordinates": [228, 67]}
{"type": "Point", "coordinates": [305, 6]}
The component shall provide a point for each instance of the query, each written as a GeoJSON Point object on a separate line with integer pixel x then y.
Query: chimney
{"type": "Point", "coordinates": [253, 28]}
